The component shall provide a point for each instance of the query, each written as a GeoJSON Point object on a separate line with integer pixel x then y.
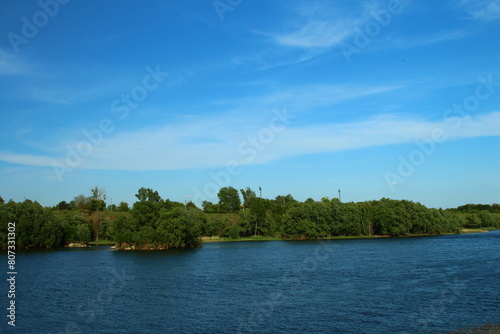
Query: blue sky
{"type": "Point", "coordinates": [397, 99]}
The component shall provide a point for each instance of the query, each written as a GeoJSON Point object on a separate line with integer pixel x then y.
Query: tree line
{"type": "Point", "coordinates": [156, 223]}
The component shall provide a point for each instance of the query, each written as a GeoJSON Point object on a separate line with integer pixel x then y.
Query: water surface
{"type": "Point", "coordinates": [426, 284]}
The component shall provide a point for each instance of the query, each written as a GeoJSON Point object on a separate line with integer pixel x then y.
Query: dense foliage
{"type": "Point", "coordinates": [39, 227]}
{"type": "Point", "coordinates": [326, 218]}
{"type": "Point", "coordinates": [155, 223]}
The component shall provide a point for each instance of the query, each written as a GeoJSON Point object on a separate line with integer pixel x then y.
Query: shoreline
{"type": "Point", "coordinates": [339, 237]}
{"type": "Point", "coordinates": [207, 240]}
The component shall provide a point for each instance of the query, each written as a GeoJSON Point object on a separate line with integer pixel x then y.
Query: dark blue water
{"type": "Point", "coordinates": [408, 285]}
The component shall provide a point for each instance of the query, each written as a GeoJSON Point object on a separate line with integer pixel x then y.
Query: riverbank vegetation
{"type": "Point", "coordinates": [156, 223]}
{"type": "Point", "coordinates": [485, 329]}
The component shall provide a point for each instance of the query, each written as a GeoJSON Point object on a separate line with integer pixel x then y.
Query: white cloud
{"type": "Point", "coordinates": [325, 25]}
{"type": "Point", "coordinates": [327, 94]}
{"type": "Point", "coordinates": [486, 10]}
{"type": "Point", "coordinates": [438, 37]}
{"type": "Point", "coordinates": [318, 33]}
{"type": "Point", "coordinates": [318, 26]}
{"type": "Point", "coordinates": [214, 143]}
{"type": "Point", "coordinates": [47, 82]}
{"type": "Point", "coordinates": [378, 132]}
{"type": "Point", "coordinates": [14, 65]}
{"type": "Point", "coordinates": [275, 58]}
{"type": "Point", "coordinates": [26, 159]}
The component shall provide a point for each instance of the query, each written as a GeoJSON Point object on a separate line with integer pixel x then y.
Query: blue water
{"type": "Point", "coordinates": [406, 285]}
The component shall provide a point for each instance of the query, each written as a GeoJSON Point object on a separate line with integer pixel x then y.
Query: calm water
{"type": "Point", "coordinates": [409, 285]}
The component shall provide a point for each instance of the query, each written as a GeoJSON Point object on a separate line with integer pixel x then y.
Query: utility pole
{"type": "Point", "coordinates": [339, 195]}
{"type": "Point", "coordinates": [260, 189]}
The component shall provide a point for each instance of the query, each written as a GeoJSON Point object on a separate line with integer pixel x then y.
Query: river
{"type": "Point", "coordinates": [399, 285]}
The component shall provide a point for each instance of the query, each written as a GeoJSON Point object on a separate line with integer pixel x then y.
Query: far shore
{"type": "Point", "coordinates": [261, 238]}
{"type": "Point", "coordinates": [339, 237]}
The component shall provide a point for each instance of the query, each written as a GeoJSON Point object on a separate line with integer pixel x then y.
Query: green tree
{"type": "Point", "coordinates": [83, 233]}
{"type": "Point", "coordinates": [123, 230]}
{"type": "Point", "coordinates": [98, 193]}
{"type": "Point", "coordinates": [229, 199]}
{"type": "Point", "coordinates": [147, 194]}
{"type": "Point", "coordinates": [258, 214]}
{"type": "Point", "coordinates": [70, 221]}
{"type": "Point", "coordinates": [179, 228]}
{"type": "Point", "coordinates": [249, 197]}
{"type": "Point", "coordinates": [123, 207]}
{"type": "Point", "coordinates": [472, 221]}
{"type": "Point", "coordinates": [233, 231]}
{"type": "Point", "coordinates": [146, 212]}
{"type": "Point", "coordinates": [63, 206]}
{"type": "Point", "coordinates": [486, 218]}
{"type": "Point", "coordinates": [191, 206]}
{"type": "Point", "coordinates": [96, 205]}
{"type": "Point", "coordinates": [80, 202]}
{"type": "Point", "coordinates": [216, 224]}
{"type": "Point", "coordinates": [297, 222]}
{"type": "Point", "coordinates": [209, 207]}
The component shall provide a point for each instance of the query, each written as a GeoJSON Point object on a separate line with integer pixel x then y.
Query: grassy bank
{"type": "Point", "coordinates": [252, 238]}
{"type": "Point", "coordinates": [486, 329]}
{"type": "Point", "coordinates": [338, 237]}
{"type": "Point", "coordinates": [477, 230]}
{"type": "Point", "coordinates": [102, 243]}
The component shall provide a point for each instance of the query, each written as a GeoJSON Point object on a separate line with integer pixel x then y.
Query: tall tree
{"type": "Point", "coordinates": [123, 207]}
{"type": "Point", "coordinates": [63, 206]}
{"type": "Point", "coordinates": [98, 193]}
{"type": "Point", "coordinates": [248, 197]}
{"type": "Point", "coordinates": [209, 207]}
{"type": "Point", "coordinates": [80, 202]}
{"type": "Point", "coordinates": [97, 203]}
{"type": "Point", "coordinates": [229, 199]}
{"type": "Point", "coordinates": [147, 194]}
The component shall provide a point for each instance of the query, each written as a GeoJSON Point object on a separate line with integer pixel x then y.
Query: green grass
{"type": "Point", "coordinates": [256, 238]}
{"type": "Point", "coordinates": [252, 238]}
{"type": "Point", "coordinates": [102, 243]}
{"type": "Point", "coordinates": [341, 237]}
{"type": "Point", "coordinates": [337, 237]}
{"type": "Point", "coordinates": [477, 230]}
{"type": "Point", "coordinates": [485, 329]}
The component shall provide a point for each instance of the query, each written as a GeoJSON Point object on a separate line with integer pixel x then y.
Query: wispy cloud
{"type": "Point", "coordinates": [317, 34]}
{"type": "Point", "coordinates": [26, 159]}
{"type": "Point", "coordinates": [327, 94]}
{"type": "Point", "coordinates": [14, 65]}
{"type": "Point", "coordinates": [66, 83]}
{"type": "Point", "coordinates": [323, 27]}
{"type": "Point", "coordinates": [312, 30]}
{"type": "Point", "coordinates": [70, 92]}
{"type": "Point", "coordinates": [486, 10]}
{"type": "Point", "coordinates": [306, 97]}
{"type": "Point", "coordinates": [198, 144]}
{"type": "Point", "coordinates": [437, 37]}
{"type": "Point", "coordinates": [383, 131]}
{"type": "Point", "coordinates": [275, 58]}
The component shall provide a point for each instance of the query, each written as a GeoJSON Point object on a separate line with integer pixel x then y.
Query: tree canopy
{"type": "Point", "coordinates": [156, 223]}
{"type": "Point", "coordinates": [229, 199]}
